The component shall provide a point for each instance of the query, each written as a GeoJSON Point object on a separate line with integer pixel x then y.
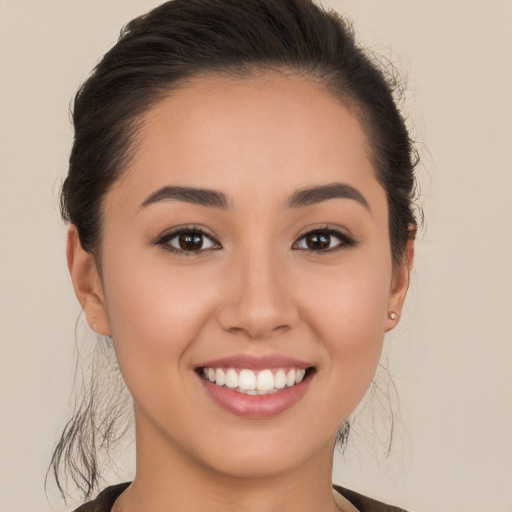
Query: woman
{"type": "Point", "coordinates": [241, 227]}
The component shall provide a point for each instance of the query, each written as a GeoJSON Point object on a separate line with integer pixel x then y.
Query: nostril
{"type": "Point", "coordinates": [259, 332]}
{"type": "Point", "coordinates": [257, 317]}
{"type": "Point", "coordinates": [236, 330]}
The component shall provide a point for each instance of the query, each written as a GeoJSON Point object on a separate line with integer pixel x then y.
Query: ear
{"type": "Point", "coordinates": [399, 286]}
{"type": "Point", "coordinates": [87, 283]}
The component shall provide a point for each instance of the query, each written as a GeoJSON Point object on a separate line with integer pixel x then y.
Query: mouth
{"type": "Point", "coordinates": [255, 382]}
{"type": "Point", "coordinates": [255, 387]}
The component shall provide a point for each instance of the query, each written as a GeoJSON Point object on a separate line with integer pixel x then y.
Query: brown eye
{"type": "Point", "coordinates": [318, 241]}
{"type": "Point", "coordinates": [190, 241]}
{"type": "Point", "coordinates": [324, 240]}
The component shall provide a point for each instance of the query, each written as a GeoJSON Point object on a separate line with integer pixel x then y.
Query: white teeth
{"type": "Point", "coordinates": [280, 379]}
{"type": "Point", "coordinates": [220, 377]}
{"type": "Point", "coordinates": [265, 381]}
{"type": "Point", "coordinates": [254, 383]}
{"type": "Point", "coordinates": [231, 378]}
{"type": "Point", "coordinates": [247, 380]}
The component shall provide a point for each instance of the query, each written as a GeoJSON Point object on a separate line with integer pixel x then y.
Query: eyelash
{"type": "Point", "coordinates": [345, 241]}
{"type": "Point", "coordinates": [164, 240]}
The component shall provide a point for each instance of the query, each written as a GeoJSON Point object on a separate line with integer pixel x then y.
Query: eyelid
{"type": "Point", "coordinates": [163, 239]}
{"type": "Point", "coordinates": [347, 240]}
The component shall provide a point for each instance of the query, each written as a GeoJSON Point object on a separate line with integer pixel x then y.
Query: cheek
{"type": "Point", "coordinates": [347, 310]}
{"type": "Point", "coordinates": [155, 314]}
{"type": "Point", "coordinates": [353, 297]}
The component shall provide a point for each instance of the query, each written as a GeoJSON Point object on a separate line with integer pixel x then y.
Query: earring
{"type": "Point", "coordinates": [392, 315]}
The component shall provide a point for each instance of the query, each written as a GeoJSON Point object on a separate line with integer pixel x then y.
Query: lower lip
{"type": "Point", "coordinates": [256, 406]}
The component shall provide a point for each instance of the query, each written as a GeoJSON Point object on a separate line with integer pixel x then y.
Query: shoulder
{"type": "Point", "coordinates": [365, 504]}
{"type": "Point", "coordinates": [105, 499]}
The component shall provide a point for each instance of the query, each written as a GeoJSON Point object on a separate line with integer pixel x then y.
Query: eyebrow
{"type": "Point", "coordinates": [215, 199]}
{"type": "Point", "coordinates": [201, 196]}
{"type": "Point", "coordinates": [315, 195]}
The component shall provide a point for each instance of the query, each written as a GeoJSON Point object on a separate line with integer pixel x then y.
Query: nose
{"type": "Point", "coordinates": [258, 302]}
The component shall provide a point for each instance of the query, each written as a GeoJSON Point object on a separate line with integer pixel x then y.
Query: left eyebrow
{"type": "Point", "coordinates": [315, 195]}
{"type": "Point", "coordinates": [201, 196]}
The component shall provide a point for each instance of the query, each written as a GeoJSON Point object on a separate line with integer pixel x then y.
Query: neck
{"type": "Point", "coordinates": [168, 478]}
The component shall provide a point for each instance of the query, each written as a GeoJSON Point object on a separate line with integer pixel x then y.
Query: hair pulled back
{"type": "Point", "coordinates": [182, 39]}
{"type": "Point", "coordinates": [157, 53]}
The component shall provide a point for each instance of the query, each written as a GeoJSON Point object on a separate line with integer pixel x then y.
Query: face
{"type": "Point", "coordinates": [246, 274]}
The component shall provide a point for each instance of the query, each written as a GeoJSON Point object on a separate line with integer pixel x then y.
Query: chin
{"type": "Point", "coordinates": [262, 455]}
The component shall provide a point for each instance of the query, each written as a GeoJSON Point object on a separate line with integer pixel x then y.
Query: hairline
{"type": "Point", "coordinates": [135, 124]}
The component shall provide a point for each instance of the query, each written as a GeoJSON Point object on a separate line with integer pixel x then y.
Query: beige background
{"type": "Point", "coordinates": [451, 357]}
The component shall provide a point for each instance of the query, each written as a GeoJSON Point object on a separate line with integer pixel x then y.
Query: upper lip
{"type": "Point", "coordinates": [252, 362]}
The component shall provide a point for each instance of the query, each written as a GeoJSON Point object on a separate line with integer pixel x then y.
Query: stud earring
{"type": "Point", "coordinates": [392, 315]}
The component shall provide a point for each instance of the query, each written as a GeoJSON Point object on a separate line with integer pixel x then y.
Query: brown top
{"type": "Point", "coordinates": [105, 500]}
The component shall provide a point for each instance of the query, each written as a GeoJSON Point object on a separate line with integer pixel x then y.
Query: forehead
{"type": "Point", "coordinates": [268, 135]}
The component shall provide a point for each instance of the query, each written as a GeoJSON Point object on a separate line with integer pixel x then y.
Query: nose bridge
{"type": "Point", "coordinates": [259, 303]}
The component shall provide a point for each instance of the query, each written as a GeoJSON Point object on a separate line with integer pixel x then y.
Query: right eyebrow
{"type": "Point", "coordinates": [201, 196]}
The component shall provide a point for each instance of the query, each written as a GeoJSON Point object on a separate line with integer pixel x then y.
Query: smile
{"type": "Point", "coordinates": [255, 387]}
{"type": "Point", "coordinates": [251, 382]}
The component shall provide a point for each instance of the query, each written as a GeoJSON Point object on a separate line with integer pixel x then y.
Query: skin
{"type": "Point", "coordinates": [259, 291]}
